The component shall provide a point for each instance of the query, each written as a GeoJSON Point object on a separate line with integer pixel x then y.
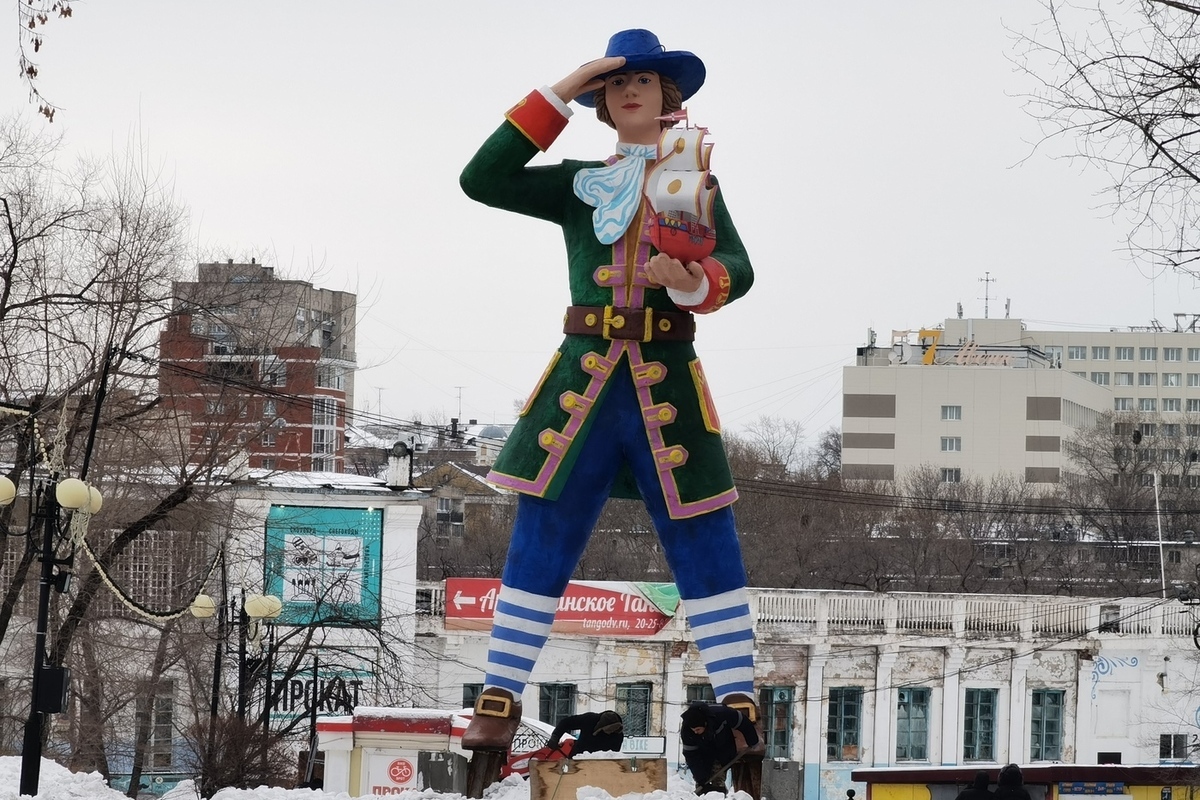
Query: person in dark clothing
{"type": "Point", "coordinates": [1011, 784]}
{"type": "Point", "coordinates": [598, 733]}
{"type": "Point", "coordinates": [709, 733]}
{"type": "Point", "coordinates": [979, 791]}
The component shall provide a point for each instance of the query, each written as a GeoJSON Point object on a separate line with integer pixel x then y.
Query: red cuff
{"type": "Point", "coordinates": [718, 287]}
{"type": "Point", "coordinates": [538, 119]}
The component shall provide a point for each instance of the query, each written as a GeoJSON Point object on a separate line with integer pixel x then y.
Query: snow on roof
{"type": "Point", "coordinates": [345, 482]}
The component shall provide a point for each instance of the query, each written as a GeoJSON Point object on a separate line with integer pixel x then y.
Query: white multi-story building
{"type": "Point", "coordinates": [987, 396]}
{"type": "Point", "coordinates": [858, 679]}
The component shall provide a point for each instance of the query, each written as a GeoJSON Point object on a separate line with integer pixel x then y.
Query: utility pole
{"type": "Point", "coordinates": [460, 388]}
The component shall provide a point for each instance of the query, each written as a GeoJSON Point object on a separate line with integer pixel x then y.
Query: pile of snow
{"type": "Point", "coordinates": [58, 783]}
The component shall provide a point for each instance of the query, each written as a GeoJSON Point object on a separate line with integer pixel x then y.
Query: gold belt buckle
{"type": "Point", "coordinates": [611, 322]}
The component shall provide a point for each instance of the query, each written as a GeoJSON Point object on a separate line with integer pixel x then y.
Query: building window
{"type": "Point", "coordinates": [700, 693]}
{"type": "Point", "coordinates": [633, 704]}
{"type": "Point", "coordinates": [214, 407]}
{"type": "Point", "coordinates": [1193, 405]}
{"type": "Point", "coordinates": [951, 475]}
{"type": "Point", "coordinates": [325, 412]}
{"type": "Point", "coordinates": [268, 408]}
{"type": "Point", "coordinates": [1123, 404]}
{"type": "Point", "coordinates": [1080, 375]}
{"type": "Point", "coordinates": [1123, 378]}
{"type": "Point", "coordinates": [1194, 354]}
{"type": "Point", "coordinates": [979, 725]}
{"type": "Point", "coordinates": [1174, 556]}
{"type": "Point", "coordinates": [1054, 353]}
{"type": "Point", "coordinates": [1147, 354]}
{"type": "Point", "coordinates": [1046, 724]}
{"type": "Point", "coordinates": [1100, 378]}
{"type": "Point", "coordinates": [1148, 428]}
{"type": "Point", "coordinates": [1124, 354]}
{"type": "Point", "coordinates": [162, 728]}
{"type": "Point", "coordinates": [912, 724]}
{"type": "Point", "coordinates": [268, 463]}
{"type": "Point", "coordinates": [1172, 747]}
{"type": "Point", "coordinates": [952, 412]}
{"type": "Point", "coordinates": [268, 439]}
{"type": "Point", "coordinates": [951, 444]}
{"type": "Point", "coordinates": [1076, 352]}
{"type": "Point", "coordinates": [1171, 404]}
{"type": "Point", "coordinates": [1172, 379]}
{"type": "Point", "coordinates": [1172, 354]}
{"type": "Point", "coordinates": [845, 704]}
{"type": "Point", "coordinates": [1147, 404]}
{"type": "Point", "coordinates": [450, 514]}
{"type": "Point", "coordinates": [1193, 380]}
{"type": "Point", "coordinates": [776, 704]}
{"type": "Point", "coordinates": [471, 692]}
{"type": "Point", "coordinates": [330, 378]}
{"type": "Point", "coordinates": [324, 441]}
{"type": "Point", "coordinates": [556, 702]}
{"type": "Point", "coordinates": [1170, 430]}
{"type": "Point", "coordinates": [1100, 354]}
{"type": "Point", "coordinates": [1147, 378]}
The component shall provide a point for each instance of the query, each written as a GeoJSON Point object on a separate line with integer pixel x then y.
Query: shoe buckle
{"type": "Point", "coordinates": [493, 706]}
{"type": "Point", "coordinates": [750, 710]}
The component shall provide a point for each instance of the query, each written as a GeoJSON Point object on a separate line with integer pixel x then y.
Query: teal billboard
{"type": "Point", "coordinates": [324, 563]}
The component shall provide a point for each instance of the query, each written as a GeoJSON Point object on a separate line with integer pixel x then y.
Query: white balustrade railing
{"type": "Point", "coordinates": [844, 612]}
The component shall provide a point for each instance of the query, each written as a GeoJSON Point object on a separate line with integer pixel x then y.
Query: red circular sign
{"type": "Point", "coordinates": [400, 771]}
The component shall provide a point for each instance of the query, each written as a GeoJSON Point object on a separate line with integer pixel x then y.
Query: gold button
{"type": "Point", "coordinates": [590, 362]}
{"type": "Point", "coordinates": [547, 438]}
{"type": "Point", "coordinates": [676, 457]}
{"type": "Point", "coordinates": [655, 372]}
{"type": "Point", "coordinates": [603, 273]}
{"type": "Point", "coordinates": [680, 144]}
{"type": "Point", "coordinates": [568, 402]}
{"type": "Point", "coordinates": [665, 415]}
{"type": "Point", "coordinates": [664, 325]}
{"type": "Point", "coordinates": [617, 322]}
{"type": "Point", "coordinates": [590, 320]}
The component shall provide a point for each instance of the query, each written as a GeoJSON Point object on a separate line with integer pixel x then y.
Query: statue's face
{"type": "Point", "coordinates": [633, 100]}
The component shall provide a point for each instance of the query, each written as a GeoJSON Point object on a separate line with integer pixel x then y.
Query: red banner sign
{"type": "Point", "coordinates": [584, 608]}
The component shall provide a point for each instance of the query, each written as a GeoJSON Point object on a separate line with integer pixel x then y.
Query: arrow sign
{"type": "Point", "coordinates": [460, 600]}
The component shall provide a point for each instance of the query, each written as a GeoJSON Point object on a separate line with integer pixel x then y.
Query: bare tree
{"type": "Point", "coordinates": [1117, 83]}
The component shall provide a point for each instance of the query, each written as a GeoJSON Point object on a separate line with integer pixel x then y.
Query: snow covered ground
{"type": "Point", "coordinates": [59, 784]}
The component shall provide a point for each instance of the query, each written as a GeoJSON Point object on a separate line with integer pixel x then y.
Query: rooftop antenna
{"type": "Point", "coordinates": [985, 280]}
{"type": "Point", "coordinates": [1007, 306]}
{"type": "Point", "coordinates": [960, 310]}
{"type": "Point", "coordinates": [460, 388]}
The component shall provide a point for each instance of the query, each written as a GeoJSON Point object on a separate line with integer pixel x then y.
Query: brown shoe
{"type": "Point", "coordinates": [494, 723]}
{"type": "Point", "coordinates": [749, 709]}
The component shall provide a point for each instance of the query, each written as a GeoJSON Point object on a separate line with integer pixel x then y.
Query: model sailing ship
{"type": "Point", "coordinates": [681, 192]}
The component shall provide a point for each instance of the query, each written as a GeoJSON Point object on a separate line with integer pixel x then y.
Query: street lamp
{"type": "Point", "coordinates": [50, 682]}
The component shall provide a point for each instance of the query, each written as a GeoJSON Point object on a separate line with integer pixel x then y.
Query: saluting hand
{"type": "Point", "coordinates": [586, 78]}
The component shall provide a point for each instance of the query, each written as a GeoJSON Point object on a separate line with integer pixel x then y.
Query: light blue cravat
{"type": "Point", "coordinates": [615, 190]}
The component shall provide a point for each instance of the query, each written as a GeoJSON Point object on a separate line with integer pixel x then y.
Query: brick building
{"type": "Point", "coordinates": [260, 366]}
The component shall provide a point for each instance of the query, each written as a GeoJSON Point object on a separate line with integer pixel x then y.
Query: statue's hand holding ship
{"type": "Point", "coordinates": [681, 192]}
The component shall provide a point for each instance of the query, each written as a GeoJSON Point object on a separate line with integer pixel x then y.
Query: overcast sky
{"type": "Point", "coordinates": [874, 156]}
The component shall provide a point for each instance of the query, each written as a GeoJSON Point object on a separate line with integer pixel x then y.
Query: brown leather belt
{"type": "Point", "coordinates": [638, 324]}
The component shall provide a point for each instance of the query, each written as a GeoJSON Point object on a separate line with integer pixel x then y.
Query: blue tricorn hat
{"type": "Point", "coordinates": [643, 51]}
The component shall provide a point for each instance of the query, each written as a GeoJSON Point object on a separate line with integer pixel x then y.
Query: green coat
{"type": "Point", "coordinates": [681, 424]}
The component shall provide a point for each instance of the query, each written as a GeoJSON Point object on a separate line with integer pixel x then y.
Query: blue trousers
{"type": "Point", "coordinates": [549, 536]}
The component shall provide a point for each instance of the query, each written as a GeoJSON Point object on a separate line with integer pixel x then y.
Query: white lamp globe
{"type": "Point", "coordinates": [95, 500]}
{"type": "Point", "coordinates": [203, 607]}
{"type": "Point", "coordinates": [8, 490]}
{"type": "Point", "coordinates": [72, 493]}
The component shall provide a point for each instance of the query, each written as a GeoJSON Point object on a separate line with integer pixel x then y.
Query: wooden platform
{"type": "Point", "coordinates": [560, 780]}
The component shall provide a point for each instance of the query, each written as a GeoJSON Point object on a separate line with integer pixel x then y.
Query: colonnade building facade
{"type": "Point", "coordinates": [854, 679]}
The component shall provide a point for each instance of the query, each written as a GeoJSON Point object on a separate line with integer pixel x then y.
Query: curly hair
{"type": "Point", "coordinates": [672, 102]}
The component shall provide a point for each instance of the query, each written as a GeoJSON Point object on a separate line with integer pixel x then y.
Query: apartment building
{"type": "Point", "coordinates": [262, 366]}
{"type": "Point", "coordinates": [987, 396]}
